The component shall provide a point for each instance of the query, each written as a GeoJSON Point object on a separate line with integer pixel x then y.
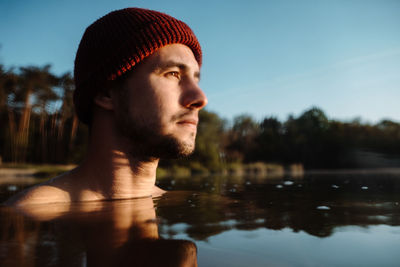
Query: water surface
{"type": "Point", "coordinates": [321, 219]}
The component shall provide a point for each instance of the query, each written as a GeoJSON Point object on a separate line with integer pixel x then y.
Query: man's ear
{"type": "Point", "coordinates": [104, 100]}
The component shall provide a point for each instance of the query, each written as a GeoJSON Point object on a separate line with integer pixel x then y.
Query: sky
{"type": "Point", "coordinates": [261, 58]}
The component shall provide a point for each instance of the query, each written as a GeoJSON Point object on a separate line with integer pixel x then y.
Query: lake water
{"type": "Point", "coordinates": [319, 219]}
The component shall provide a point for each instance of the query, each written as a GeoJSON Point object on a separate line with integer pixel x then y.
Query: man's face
{"type": "Point", "coordinates": [157, 108]}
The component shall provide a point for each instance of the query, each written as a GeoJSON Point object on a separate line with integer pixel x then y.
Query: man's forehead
{"type": "Point", "coordinates": [174, 55]}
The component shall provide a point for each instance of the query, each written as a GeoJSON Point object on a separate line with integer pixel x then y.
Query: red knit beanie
{"type": "Point", "coordinates": [115, 43]}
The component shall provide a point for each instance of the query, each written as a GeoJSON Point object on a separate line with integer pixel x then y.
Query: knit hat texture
{"type": "Point", "coordinates": [115, 43]}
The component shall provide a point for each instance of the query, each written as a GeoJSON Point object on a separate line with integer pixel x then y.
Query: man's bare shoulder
{"type": "Point", "coordinates": [44, 193]}
{"type": "Point", "coordinates": [40, 194]}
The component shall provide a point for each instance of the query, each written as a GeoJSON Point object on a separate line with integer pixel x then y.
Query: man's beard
{"type": "Point", "coordinates": [145, 139]}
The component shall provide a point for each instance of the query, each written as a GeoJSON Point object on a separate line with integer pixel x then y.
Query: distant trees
{"type": "Point", "coordinates": [208, 142]}
{"type": "Point", "coordinates": [271, 146]}
{"type": "Point", "coordinates": [306, 138]}
{"type": "Point", "coordinates": [313, 140]}
{"type": "Point", "coordinates": [240, 143]}
{"type": "Point", "coordinates": [35, 107]}
{"type": "Point", "coordinates": [38, 125]}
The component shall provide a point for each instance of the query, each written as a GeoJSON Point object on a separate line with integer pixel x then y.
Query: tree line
{"type": "Point", "coordinates": [38, 125]}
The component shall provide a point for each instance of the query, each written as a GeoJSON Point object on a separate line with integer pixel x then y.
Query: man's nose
{"type": "Point", "coordinates": [193, 97]}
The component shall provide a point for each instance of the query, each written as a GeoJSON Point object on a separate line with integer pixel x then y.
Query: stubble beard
{"type": "Point", "coordinates": [146, 141]}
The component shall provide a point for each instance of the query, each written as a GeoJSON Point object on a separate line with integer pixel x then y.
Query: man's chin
{"type": "Point", "coordinates": [167, 147]}
{"type": "Point", "coordinates": [178, 149]}
{"type": "Point", "coordinates": [186, 152]}
{"type": "Point", "coordinates": [177, 146]}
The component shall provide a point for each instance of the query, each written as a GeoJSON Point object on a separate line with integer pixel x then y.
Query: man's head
{"type": "Point", "coordinates": [147, 63]}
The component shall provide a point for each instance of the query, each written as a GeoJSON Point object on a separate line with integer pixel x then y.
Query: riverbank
{"type": "Point", "coordinates": [237, 169]}
{"type": "Point", "coordinates": [33, 170]}
{"type": "Point", "coordinates": [30, 172]}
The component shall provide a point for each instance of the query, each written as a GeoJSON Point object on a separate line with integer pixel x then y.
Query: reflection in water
{"type": "Point", "coordinates": [316, 204]}
{"type": "Point", "coordinates": [118, 233]}
{"type": "Point", "coordinates": [342, 219]}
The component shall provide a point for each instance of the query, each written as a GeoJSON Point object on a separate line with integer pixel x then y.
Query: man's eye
{"type": "Point", "coordinates": [175, 74]}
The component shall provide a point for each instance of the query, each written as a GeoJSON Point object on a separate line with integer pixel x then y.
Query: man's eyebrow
{"type": "Point", "coordinates": [180, 65]}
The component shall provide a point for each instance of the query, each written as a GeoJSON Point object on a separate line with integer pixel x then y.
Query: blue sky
{"type": "Point", "coordinates": [263, 58]}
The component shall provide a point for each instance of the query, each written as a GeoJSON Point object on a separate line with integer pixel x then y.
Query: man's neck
{"type": "Point", "coordinates": [113, 174]}
{"type": "Point", "coordinates": [110, 171]}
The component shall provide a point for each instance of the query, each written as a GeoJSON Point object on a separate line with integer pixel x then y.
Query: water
{"type": "Point", "coordinates": [321, 219]}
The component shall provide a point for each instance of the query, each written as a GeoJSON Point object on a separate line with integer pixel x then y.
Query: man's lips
{"type": "Point", "coordinates": [189, 122]}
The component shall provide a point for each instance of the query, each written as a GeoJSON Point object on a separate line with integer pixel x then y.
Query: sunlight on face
{"type": "Point", "coordinates": [157, 109]}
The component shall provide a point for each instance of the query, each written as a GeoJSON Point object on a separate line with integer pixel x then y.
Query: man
{"type": "Point", "coordinates": [136, 76]}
